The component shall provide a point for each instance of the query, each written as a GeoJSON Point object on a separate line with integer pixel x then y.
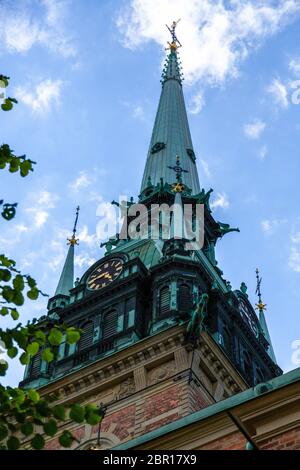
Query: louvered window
{"type": "Point", "coordinates": [86, 338]}
{"type": "Point", "coordinates": [35, 365]}
{"type": "Point", "coordinates": [110, 324]}
{"type": "Point", "coordinates": [185, 303]}
{"type": "Point", "coordinates": [164, 300]}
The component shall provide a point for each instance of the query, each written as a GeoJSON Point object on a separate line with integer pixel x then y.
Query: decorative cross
{"type": "Point", "coordinates": [178, 170]}
{"type": "Point", "coordinates": [260, 305]}
{"type": "Point", "coordinates": [175, 42]}
{"type": "Point", "coordinates": [73, 240]}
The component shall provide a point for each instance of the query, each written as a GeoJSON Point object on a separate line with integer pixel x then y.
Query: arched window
{"type": "Point", "coordinates": [248, 367]}
{"type": "Point", "coordinates": [164, 300]}
{"type": "Point", "coordinates": [110, 324]}
{"type": "Point", "coordinates": [259, 376]}
{"type": "Point", "coordinates": [86, 338]}
{"type": "Point", "coordinates": [185, 302]}
{"type": "Point", "coordinates": [227, 340]}
{"type": "Point", "coordinates": [35, 365]}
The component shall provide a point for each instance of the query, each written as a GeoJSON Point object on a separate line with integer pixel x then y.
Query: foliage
{"type": "Point", "coordinates": [24, 414]}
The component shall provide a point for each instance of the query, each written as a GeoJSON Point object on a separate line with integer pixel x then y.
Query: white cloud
{"type": "Point", "coordinates": [279, 93]}
{"type": "Point", "coordinates": [42, 22]}
{"type": "Point", "coordinates": [270, 226]}
{"type": "Point", "coordinates": [85, 237]}
{"type": "Point", "coordinates": [221, 201]}
{"type": "Point", "coordinates": [83, 261]}
{"type": "Point", "coordinates": [216, 36]}
{"type": "Point", "coordinates": [138, 112]}
{"type": "Point", "coordinates": [42, 97]}
{"type": "Point", "coordinates": [83, 180]}
{"type": "Point", "coordinates": [197, 103]}
{"type": "Point", "coordinates": [205, 168]}
{"type": "Point", "coordinates": [294, 259]}
{"type": "Point", "coordinates": [44, 200]}
{"type": "Point", "coordinates": [254, 129]}
{"type": "Point", "coordinates": [294, 66]}
{"type": "Point", "coordinates": [263, 152]}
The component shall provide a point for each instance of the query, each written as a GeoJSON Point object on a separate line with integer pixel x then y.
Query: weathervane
{"type": "Point", "coordinates": [178, 187]}
{"type": "Point", "coordinates": [175, 41]}
{"type": "Point", "coordinates": [260, 305]}
{"type": "Point", "coordinates": [73, 240]}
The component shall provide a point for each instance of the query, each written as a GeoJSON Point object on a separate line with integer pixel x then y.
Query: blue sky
{"type": "Point", "coordinates": [86, 74]}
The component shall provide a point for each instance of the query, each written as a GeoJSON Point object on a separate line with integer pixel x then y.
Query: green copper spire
{"type": "Point", "coordinates": [171, 134]}
{"type": "Point", "coordinates": [66, 281]}
{"type": "Point", "coordinates": [262, 320]}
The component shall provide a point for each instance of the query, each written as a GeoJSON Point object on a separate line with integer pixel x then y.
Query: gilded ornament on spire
{"type": "Point", "coordinates": [73, 240]}
{"type": "Point", "coordinates": [178, 187]}
{"type": "Point", "coordinates": [175, 44]}
{"type": "Point", "coordinates": [260, 305]}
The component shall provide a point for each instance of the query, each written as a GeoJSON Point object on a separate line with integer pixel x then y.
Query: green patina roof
{"type": "Point", "coordinates": [171, 129]}
{"type": "Point", "coordinates": [264, 326]}
{"type": "Point", "coordinates": [66, 281]}
{"type": "Point", "coordinates": [148, 251]}
{"type": "Point", "coordinates": [222, 406]}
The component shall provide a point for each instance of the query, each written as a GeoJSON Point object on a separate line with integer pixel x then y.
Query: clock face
{"type": "Point", "coordinates": [105, 273]}
{"type": "Point", "coordinates": [247, 316]}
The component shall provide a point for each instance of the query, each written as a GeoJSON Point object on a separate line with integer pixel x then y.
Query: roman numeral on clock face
{"type": "Point", "coordinates": [107, 272]}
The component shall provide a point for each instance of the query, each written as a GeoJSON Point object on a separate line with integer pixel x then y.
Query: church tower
{"type": "Point", "coordinates": [164, 334]}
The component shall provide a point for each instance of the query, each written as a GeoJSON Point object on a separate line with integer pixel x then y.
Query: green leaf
{"type": "Point", "coordinates": [18, 298]}
{"type": "Point", "coordinates": [4, 311]}
{"type": "Point", "coordinates": [73, 336]}
{"type": "Point", "coordinates": [77, 413]}
{"type": "Point", "coordinates": [50, 427]}
{"type": "Point", "coordinates": [24, 359]}
{"type": "Point", "coordinates": [33, 293]}
{"type": "Point", "coordinates": [59, 412]}
{"type": "Point", "coordinates": [27, 429]}
{"type": "Point", "coordinates": [66, 439]}
{"type": "Point", "coordinates": [93, 418]}
{"type": "Point", "coordinates": [55, 337]}
{"type": "Point", "coordinates": [14, 314]}
{"type": "Point", "coordinates": [33, 348]}
{"type": "Point", "coordinates": [34, 396]}
{"type": "Point", "coordinates": [3, 432]}
{"type": "Point", "coordinates": [18, 282]}
{"type": "Point", "coordinates": [47, 355]}
{"type": "Point", "coordinates": [40, 337]}
{"type": "Point", "coordinates": [13, 443]}
{"type": "Point", "coordinates": [3, 368]}
{"type": "Point", "coordinates": [31, 282]}
{"type": "Point", "coordinates": [7, 105]}
{"type": "Point", "coordinates": [25, 167]}
{"type": "Point", "coordinates": [12, 352]}
{"type": "Point", "coordinates": [38, 442]}
{"type": "Point", "coordinates": [5, 275]}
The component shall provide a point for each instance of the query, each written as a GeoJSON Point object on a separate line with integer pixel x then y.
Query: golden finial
{"type": "Point", "coordinates": [73, 240]}
{"type": "Point", "coordinates": [260, 305]}
{"type": "Point", "coordinates": [173, 46]}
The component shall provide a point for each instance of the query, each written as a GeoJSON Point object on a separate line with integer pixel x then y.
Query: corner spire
{"type": "Point", "coordinates": [171, 133]}
{"type": "Point", "coordinates": [66, 280]}
{"type": "Point", "coordinates": [261, 307]}
{"type": "Point", "coordinates": [172, 67]}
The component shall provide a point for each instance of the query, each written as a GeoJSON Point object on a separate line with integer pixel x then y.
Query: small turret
{"type": "Point", "coordinates": [66, 281]}
{"type": "Point", "coordinates": [261, 307]}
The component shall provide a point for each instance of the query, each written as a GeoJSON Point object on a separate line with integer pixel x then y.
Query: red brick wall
{"type": "Point", "coordinates": [289, 440]}
{"type": "Point", "coordinates": [234, 441]}
{"type": "Point", "coordinates": [121, 423]}
{"type": "Point", "coordinates": [162, 402]}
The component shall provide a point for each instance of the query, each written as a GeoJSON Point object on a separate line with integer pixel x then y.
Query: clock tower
{"type": "Point", "coordinates": [164, 334]}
